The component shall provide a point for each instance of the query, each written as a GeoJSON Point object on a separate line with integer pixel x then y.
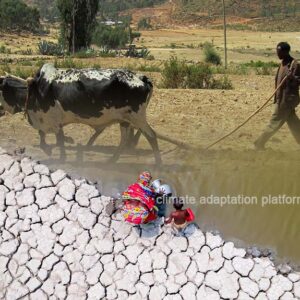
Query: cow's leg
{"type": "Point", "coordinates": [93, 138]}
{"type": "Point", "coordinates": [150, 135]}
{"type": "Point", "coordinates": [124, 136]}
{"type": "Point", "coordinates": [46, 148]}
{"type": "Point", "coordinates": [132, 139]}
{"type": "Point", "coordinates": [60, 142]}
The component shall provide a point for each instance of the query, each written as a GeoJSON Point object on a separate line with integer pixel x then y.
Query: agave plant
{"type": "Point", "coordinates": [49, 48]}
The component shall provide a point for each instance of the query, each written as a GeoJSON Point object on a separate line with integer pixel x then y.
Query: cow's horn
{"type": "Point", "coordinates": [29, 80]}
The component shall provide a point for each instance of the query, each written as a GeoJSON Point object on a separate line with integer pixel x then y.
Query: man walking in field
{"type": "Point", "coordinates": [286, 99]}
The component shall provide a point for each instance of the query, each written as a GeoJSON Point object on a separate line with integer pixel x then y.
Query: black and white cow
{"type": "Point", "coordinates": [94, 97]}
{"type": "Point", "coordinates": [13, 93]}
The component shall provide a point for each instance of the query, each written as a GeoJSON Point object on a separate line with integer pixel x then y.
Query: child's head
{"type": "Point", "coordinates": [178, 203]}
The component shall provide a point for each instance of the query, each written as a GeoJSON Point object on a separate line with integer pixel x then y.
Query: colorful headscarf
{"type": "Point", "coordinates": [145, 178]}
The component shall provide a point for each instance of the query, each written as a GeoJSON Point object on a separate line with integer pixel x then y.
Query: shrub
{"type": "Point", "coordinates": [111, 37]}
{"type": "Point", "coordinates": [146, 68]}
{"type": "Point", "coordinates": [5, 68]}
{"type": "Point", "coordinates": [265, 70]}
{"type": "Point", "coordinates": [27, 51]}
{"type": "Point", "coordinates": [211, 55]}
{"type": "Point", "coordinates": [199, 76]}
{"type": "Point", "coordinates": [4, 50]}
{"type": "Point", "coordinates": [49, 48]}
{"type": "Point", "coordinates": [68, 63]}
{"type": "Point", "coordinates": [142, 53]}
{"type": "Point", "coordinates": [86, 53]}
{"type": "Point", "coordinates": [174, 73]}
{"type": "Point", "coordinates": [223, 83]}
{"type": "Point", "coordinates": [144, 23]}
{"type": "Point", "coordinates": [23, 73]}
{"type": "Point", "coordinates": [107, 53]}
{"type": "Point", "coordinates": [180, 74]}
{"type": "Point", "coordinates": [260, 64]}
{"type": "Point", "coordinates": [16, 15]}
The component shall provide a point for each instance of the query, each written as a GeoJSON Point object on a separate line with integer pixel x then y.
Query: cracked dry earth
{"type": "Point", "coordinates": [58, 241]}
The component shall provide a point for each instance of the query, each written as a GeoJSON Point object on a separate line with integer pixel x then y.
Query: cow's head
{"type": "Point", "coordinates": [43, 80]}
{"type": "Point", "coordinates": [13, 94]}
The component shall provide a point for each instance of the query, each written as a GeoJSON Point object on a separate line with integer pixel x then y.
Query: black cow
{"type": "Point", "coordinates": [94, 97]}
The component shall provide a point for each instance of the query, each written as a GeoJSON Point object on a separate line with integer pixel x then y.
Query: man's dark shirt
{"type": "Point", "coordinates": [289, 92]}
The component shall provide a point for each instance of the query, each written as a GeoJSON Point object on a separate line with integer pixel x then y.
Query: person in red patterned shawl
{"type": "Point", "coordinates": [139, 201]}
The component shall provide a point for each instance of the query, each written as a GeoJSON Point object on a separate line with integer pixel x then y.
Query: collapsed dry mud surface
{"type": "Point", "coordinates": [59, 240]}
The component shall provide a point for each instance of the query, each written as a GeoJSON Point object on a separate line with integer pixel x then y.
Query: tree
{"type": "Point", "coordinates": [78, 20]}
{"type": "Point", "coordinates": [15, 14]}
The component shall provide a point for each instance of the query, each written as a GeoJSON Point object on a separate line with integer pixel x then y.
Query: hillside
{"type": "Point", "coordinates": [241, 8]}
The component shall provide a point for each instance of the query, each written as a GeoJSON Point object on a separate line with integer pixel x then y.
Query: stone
{"type": "Point", "coordinates": [32, 180]}
{"type": "Point", "coordinates": [264, 284]}
{"type": "Point", "coordinates": [249, 287]}
{"type": "Point", "coordinates": [243, 266]}
{"type": "Point", "coordinates": [199, 278]}
{"type": "Point", "coordinates": [189, 291]}
{"type": "Point", "coordinates": [34, 265]}
{"type": "Point", "coordinates": [212, 280]}
{"type": "Point", "coordinates": [66, 189]}
{"type": "Point", "coordinates": [111, 292]}
{"type": "Point", "coordinates": [86, 218]}
{"type": "Point", "coordinates": [132, 253]}
{"type": "Point", "coordinates": [297, 290]}
{"type": "Point", "coordinates": [157, 292]}
{"type": "Point", "coordinates": [244, 296]}
{"type": "Point", "coordinates": [294, 277]}
{"type": "Point", "coordinates": [58, 176]}
{"type": "Point", "coordinates": [196, 241]}
{"type": "Point", "coordinates": [51, 214]}
{"type": "Point", "coordinates": [177, 263]}
{"type": "Point", "coordinates": [25, 197]}
{"type": "Point", "coordinates": [93, 274]}
{"type": "Point", "coordinates": [216, 260]}
{"type": "Point", "coordinates": [287, 296]}
{"type": "Point", "coordinates": [192, 271]}
{"type": "Point", "coordinates": [96, 205]}
{"type": "Point", "coordinates": [45, 197]}
{"type": "Point", "coordinates": [142, 290]}
{"type": "Point", "coordinates": [145, 262]}
{"type": "Point", "coordinates": [45, 182]}
{"type": "Point", "coordinates": [41, 169]}
{"type": "Point", "coordinates": [33, 284]}
{"type": "Point", "coordinates": [96, 292]}
{"type": "Point", "coordinates": [228, 250]}
{"type": "Point", "coordinates": [85, 193]}
{"type": "Point", "coordinates": [279, 285]}
{"type": "Point", "coordinates": [229, 284]}
{"type": "Point", "coordinates": [9, 247]}
{"type": "Point", "coordinates": [159, 259]}
{"type": "Point", "coordinates": [202, 259]}
{"type": "Point", "coordinates": [213, 241]}
{"type": "Point", "coordinates": [181, 279]}
{"type": "Point", "coordinates": [104, 246]}
{"type": "Point", "coordinates": [206, 293]}
{"type": "Point", "coordinates": [147, 279]}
